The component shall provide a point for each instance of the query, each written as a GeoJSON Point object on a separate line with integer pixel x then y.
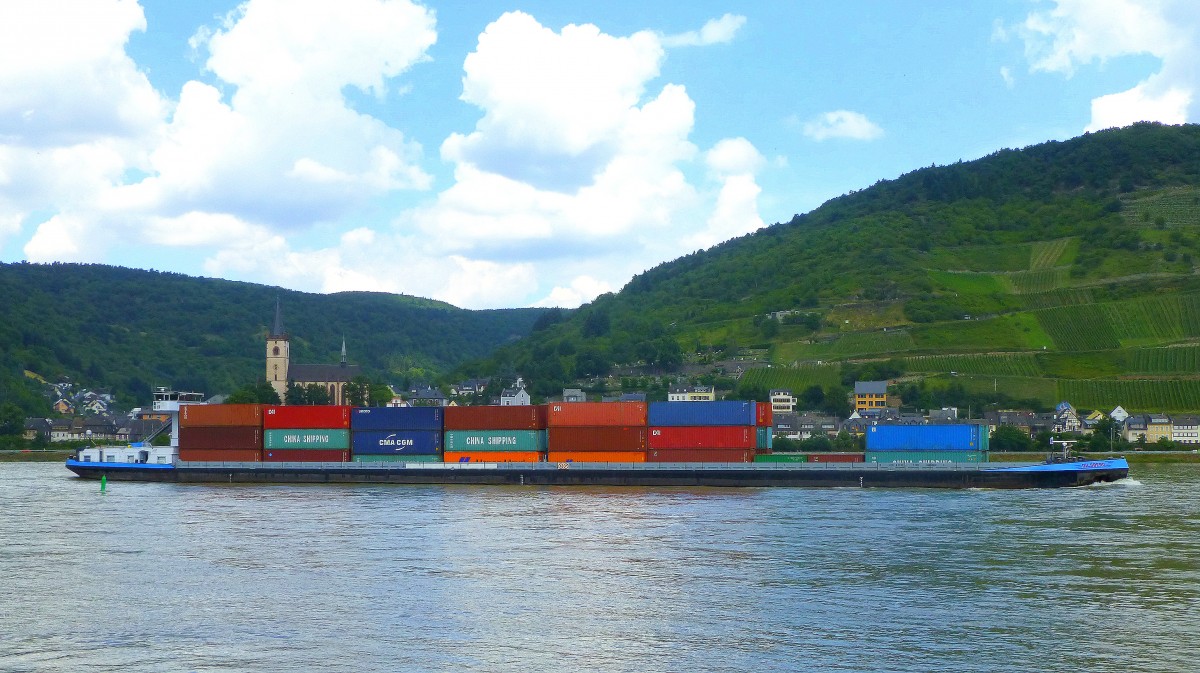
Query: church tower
{"type": "Point", "coordinates": [277, 355]}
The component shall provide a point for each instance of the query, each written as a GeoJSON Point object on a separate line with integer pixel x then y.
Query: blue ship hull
{"type": "Point", "coordinates": [865, 475]}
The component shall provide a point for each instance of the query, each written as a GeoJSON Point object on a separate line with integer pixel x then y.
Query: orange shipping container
{"type": "Point", "coordinates": [601, 438]}
{"type": "Point", "coordinates": [220, 415]}
{"type": "Point", "coordinates": [492, 457]}
{"type": "Point", "coordinates": [596, 413]}
{"type": "Point", "coordinates": [596, 457]}
{"type": "Point", "coordinates": [764, 415]}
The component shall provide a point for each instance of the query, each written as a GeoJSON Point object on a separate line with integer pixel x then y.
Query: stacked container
{"type": "Point", "coordinates": [220, 432]}
{"type": "Point", "coordinates": [764, 421]}
{"type": "Point", "coordinates": [306, 434]}
{"type": "Point", "coordinates": [927, 444]}
{"type": "Point", "coordinates": [396, 434]}
{"type": "Point", "coordinates": [495, 434]}
{"type": "Point", "coordinates": [597, 432]}
{"type": "Point", "coordinates": [725, 432]}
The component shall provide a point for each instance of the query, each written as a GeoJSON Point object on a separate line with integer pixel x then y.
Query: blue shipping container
{"type": "Point", "coordinates": [414, 442]}
{"type": "Point", "coordinates": [686, 414]}
{"type": "Point", "coordinates": [927, 438]}
{"type": "Point", "coordinates": [396, 418]}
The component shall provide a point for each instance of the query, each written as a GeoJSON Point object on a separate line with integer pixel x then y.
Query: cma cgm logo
{"type": "Point", "coordinates": [392, 440]}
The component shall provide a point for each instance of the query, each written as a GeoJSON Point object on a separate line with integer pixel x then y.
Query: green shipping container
{"type": "Point", "coordinates": [927, 457]}
{"type": "Point", "coordinates": [782, 458]}
{"type": "Point", "coordinates": [766, 439]}
{"type": "Point", "coordinates": [397, 458]}
{"type": "Point", "coordinates": [495, 440]}
{"type": "Point", "coordinates": [336, 440]}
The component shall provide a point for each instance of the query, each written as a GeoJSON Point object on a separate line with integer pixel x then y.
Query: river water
{"type": "Point", "coordinates": [160, 577]}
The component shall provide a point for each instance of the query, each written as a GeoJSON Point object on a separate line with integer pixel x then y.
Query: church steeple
{"type": "Point", "coordinates": [277, 330]}
{"type": "Point", "coordinates": [344, 350]}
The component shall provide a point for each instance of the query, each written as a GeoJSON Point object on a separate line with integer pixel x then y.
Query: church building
{"type": "Point", "coordinates": [281, 371]}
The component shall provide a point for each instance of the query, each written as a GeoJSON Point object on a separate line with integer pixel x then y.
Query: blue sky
{"type": "Point", "coordinates": [500, 154]}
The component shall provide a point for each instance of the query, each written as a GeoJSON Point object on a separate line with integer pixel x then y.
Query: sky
{"type": "Point", "coordinates": [524, 153]}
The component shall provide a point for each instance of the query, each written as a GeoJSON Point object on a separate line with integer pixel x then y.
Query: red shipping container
{"type": "Point", "coordinates": [704, 437]}
{"type": "Point", "coordinates": [596, 457]}
{"type": "Point", "coordinates": [221, 455]}
{"type": "Point", "coordinates": [576, 414]}
{"type": "Point", "coordinates": [492, 457]}
{"type": "Point", "coordinates": [306, 418]}
{"type": "Point", "coordinates": [528, 417]}
{"type": "Point", "coordinates": [836, 457]}
{"type": "Point", "coordinates": [304, 456]}
{"type": "Point", "coordinates": [217, 415]}
{"type": "Point", "coordinates": [764, 415]}
{"type": "Point", "coordinates": [605, 438]}
{"type": "Point", "coordinates": [700, 456]}
{"type": "Point", "coordinates": [217, 437]}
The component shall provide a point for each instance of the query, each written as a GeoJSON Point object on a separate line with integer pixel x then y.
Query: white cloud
{"type": "Point", "coordinates": [842, 124]}
{"type": "Point", "coordinates": [714, 31]}
{"type": "Point", "coordinates": [1075, 33]}
{"type": "Point", "coordinates": [1006, 75]}
{"type": "Point", "coordinates": [581, 289]}
{"type": "Point", "coordinates": [280, 148]}
{"type": "Point", "coordinates": [578, 174]}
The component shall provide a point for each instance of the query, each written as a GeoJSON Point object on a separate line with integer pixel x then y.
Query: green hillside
{"type": "Point", "coordinates": [1066, 270]}
{"type": "Point", "coordinates": [130, 330]}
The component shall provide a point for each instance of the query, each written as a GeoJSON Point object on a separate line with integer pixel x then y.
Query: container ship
{"type": "Point", "coordinates": [723, 444]}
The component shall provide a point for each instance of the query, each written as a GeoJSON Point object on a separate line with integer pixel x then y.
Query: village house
{"type": "Point", "coordinates": [515, 396]}
{"type": "Point", "coordinates": [687, 393]}
{"type": "Point", "coordinates": [1185, 429]}
{"type": "Point", "coordinates": [782, 401]}
{"type": "Point", "coordinates": [870, 395]}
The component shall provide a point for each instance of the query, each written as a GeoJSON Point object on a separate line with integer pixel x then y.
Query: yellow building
{"type": "Point", "coordinates": [870, 395]}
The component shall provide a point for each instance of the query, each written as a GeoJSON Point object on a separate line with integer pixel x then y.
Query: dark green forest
{"type": "Point", "coordinates": [131, 330]}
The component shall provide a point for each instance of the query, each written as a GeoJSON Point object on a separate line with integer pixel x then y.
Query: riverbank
{"type": "Point", "coordinates": [36, 456]}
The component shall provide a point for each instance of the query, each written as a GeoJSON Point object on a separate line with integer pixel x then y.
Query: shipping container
{"type": "Point", "coordinates": [609, 438]}
{"type": "Point", "coordinates": [781, 458]}
{"type": "Point", "coordinates": [216, 415]}
{"type": "Point", "coordinates": [960, 437]}
{"type": "Point", "coordinates": [765, 415]}
{"type": "Point", "coordinates": [494, 457]}
{"type": "Point", "coordinates": [703, 437]}
{"type": "Point", "coordinates": [221, 455]}
{"type": "Point", "coordinates": [517, 417]}
{"type": "Point", "coordinates": [835, 457]}
{"type": "Point", "coordinates": [596, 457]}
{"type": "Point", "coordinates": [575, 414]}
{"type": "Point", "coordinates": [730, 412]}
{"type": "Point", "coordinates": [700, 456]}
{"type": "Point", "coordinates": [278, 418]}
{"type": "Point", "coordinates": [304, 456]}
{"type": "Point", "coordinates": [495, 440]}
{"type": "Point", "coordinates": [396, 418]}
{"type": "Point", "coordinates": [307, 438]}
{"type": "Point", "coordinates": [766, 438]}
{"type": "Point", "coordinates": [396, 442]}
{"type": "Point", "coordinates": [243, 437]}
{"type": "Point", "coordinates": [397, 458]}
{"type": "Point", "coordinates": [927, 457]}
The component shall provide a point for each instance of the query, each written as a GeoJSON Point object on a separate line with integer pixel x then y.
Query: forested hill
{"type": "Point", "coordinates": [1056, 256]}
{"type": "Point", "coordinates": [130, 330]}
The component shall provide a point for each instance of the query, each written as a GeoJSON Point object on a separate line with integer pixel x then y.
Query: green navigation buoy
{"type": "Point", "coordinates": [103, 482]}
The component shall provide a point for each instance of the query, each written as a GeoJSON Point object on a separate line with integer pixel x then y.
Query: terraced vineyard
{"type": "Point", "coordinates": [1078, 328]}
{"type": "Point", "coordinates": [853, 344]}
{"type": "Point", "coordinates": [1184, 360]}
{"type": "Point", "coordinates": [795, 379]}
{"type": "Point", "coordinates": [1046, 254]}
{"type": "Point", "coordinates": [1146, 395]}
{"type": "Point", "coordinates": [1040, 281]}
{"type": "Point", "coordinates": [999, 364]}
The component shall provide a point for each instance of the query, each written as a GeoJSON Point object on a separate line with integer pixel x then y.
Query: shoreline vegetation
{"type": "Point", "coordinates": [1134, 457]}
